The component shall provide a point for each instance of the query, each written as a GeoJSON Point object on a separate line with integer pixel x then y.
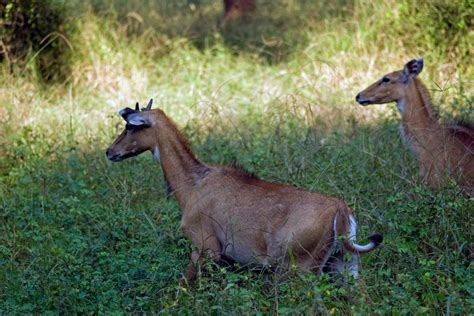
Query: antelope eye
{"type": "Point", "coordinates": [385, 79]}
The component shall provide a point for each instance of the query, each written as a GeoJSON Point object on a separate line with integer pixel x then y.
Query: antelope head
{"type": "Point", "coordinates": [137, 137]}
{"type": "Point", "coordinates": [393, 86]}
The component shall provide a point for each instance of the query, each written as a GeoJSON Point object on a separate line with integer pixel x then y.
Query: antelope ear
{"type": "Point", "coordinates": [136, 119]}
{"type": "Point", "coordinates": [413, 68]}
{"type": "Point", "coordinates": [126, 112]}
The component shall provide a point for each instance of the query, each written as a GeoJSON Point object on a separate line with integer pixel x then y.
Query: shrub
{"type": "Point", "coordinates": [33, 33]}
{"type": "Point", "coordinates": [443, 24]}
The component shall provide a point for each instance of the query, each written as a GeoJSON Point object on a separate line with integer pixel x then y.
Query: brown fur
{"type": "Point", "coordinates": [463, 132]}
{"type": "Point", "coordinates": [229, 212]}
{"type": "Point", "coordinates": [235, 9]}
{"type": "Point", "coordinates": [441, 151]}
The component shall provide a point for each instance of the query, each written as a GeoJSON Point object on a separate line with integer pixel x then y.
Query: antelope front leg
{"type": "Point", "coordinates": [211, 249]}
{"type": "Point", "coordinates": [191, 272]}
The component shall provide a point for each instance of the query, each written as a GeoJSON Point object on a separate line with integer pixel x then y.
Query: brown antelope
{"type": "Point", "coordinates": [235, 9]}
{"type": "Point", "coordinates": [229, 213]}
{"type": "Point", "coordinates": [441, 151]}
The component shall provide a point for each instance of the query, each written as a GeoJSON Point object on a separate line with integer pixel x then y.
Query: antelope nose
{"type": "Point", "coordinates": [107, 152]}
{"type": "Point", "coordinates": [358, 97]}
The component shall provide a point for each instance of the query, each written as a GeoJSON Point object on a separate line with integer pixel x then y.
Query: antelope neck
{"type": "Point", "coordinates": [416, 110]}
{"type": "Point", "coordinates": [420, 125]}
{"type": "Point", "coordinates": [180, 167]}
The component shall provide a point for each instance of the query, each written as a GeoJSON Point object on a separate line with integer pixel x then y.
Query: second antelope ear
{"type": "Point", "coordinates": [137, 119]}
{"type": "Point", "coordinates": [413, 68]}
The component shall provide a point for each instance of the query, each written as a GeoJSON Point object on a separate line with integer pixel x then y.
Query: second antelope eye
{"type": "Point", "coordinates": [385, 79]}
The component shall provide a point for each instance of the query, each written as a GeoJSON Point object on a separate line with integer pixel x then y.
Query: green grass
{"type": "Point", "coordinates": [79, 234]}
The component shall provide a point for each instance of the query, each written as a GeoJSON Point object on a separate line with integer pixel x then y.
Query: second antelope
{"type": "Point", "coordinates": [441, 151]}
{"type": "Point", "coordinates": [229, 213]}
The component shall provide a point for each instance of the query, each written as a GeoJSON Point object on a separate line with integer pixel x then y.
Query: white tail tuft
{"type": "Point", "coordinates": [350, 244]}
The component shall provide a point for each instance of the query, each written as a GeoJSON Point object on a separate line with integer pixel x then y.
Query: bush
{"type": "Point", "coordinates": [33, 33]}
{"type": "Point", "coordinates": [445, 24]}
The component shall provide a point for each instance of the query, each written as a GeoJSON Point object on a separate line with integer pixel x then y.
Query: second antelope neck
{"type": "Point", "coordinates": [180, 166]}
{"type": "Point", "coordinates": [418, 120]}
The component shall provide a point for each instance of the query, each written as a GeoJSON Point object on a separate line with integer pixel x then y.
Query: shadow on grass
{"type": "Point", "coordinates": [273, 33]}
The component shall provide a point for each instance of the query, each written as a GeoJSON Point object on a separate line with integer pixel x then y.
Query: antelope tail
{"type": "Point", "coordinates": [375, 241]}
{"type": "Point", "coordinates": [349, 243]}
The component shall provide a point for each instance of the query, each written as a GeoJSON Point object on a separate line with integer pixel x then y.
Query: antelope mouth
{"type": "Point", "coordinates": [123, 156]}
{"type": "Point", "coordinates": [364, 102]}
{"type": "Point", "coordinates": [115, 158]}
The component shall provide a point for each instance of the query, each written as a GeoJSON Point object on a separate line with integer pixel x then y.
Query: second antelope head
{"type": "Point", "coordinates": [393, 87]}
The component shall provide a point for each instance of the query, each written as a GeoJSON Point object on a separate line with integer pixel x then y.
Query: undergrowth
{"type": "Point", "coordinates": [79, 234]}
